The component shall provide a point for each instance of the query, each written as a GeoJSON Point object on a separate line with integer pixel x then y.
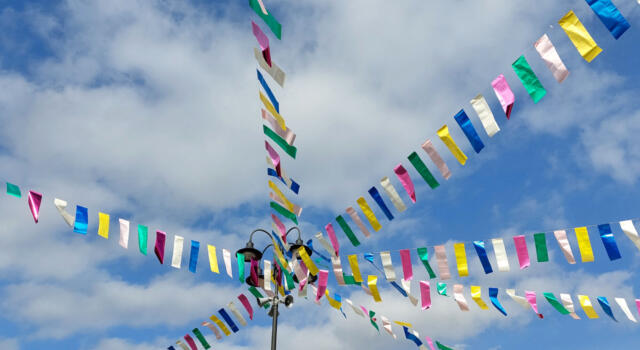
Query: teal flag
{"type": "Point", "coordinates": [13, 190]}
{"type": "Point", "coordinates": [529, 79]}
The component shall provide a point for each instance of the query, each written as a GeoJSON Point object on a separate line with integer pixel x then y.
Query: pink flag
{"type": "Point", "coordinates": [35, 199]}
{"type": "Point", "coordinates": [550, 56]}
{"type": "Point", "coordinates": [405, 256]}
{"type": "Point", "coordinates": [427, 146]}
{"type": "Point", "coordinates": [430, 342]}
{"type": "Point", "coordinates": [275, 157]}
{"type": "Point", "coordinates": [281, 228]}
{"type": "Point", "coordinates": [245, 302]}
{"type": "Point", "coordinates": [333, 238]}
{"type": "Point", "coordinates": [323, 277]}
{"type": "Point", "coordinates": [425, 291]}
{"type": "Point", "coordinates": [531, 298]}
{"type": "Point", "coordinates": [159, 248]}
{"type": "Point", "coordinates": [191, 342]}
{"type": "Point", "coordinates": [523, 253]}
{"type": "Point", "coordinates": [504, 94]}
{"type": "Point", "coordinates": [405, 180]}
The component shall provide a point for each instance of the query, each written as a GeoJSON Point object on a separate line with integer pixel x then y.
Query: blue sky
{"type": "Point", "coordinates": [148, 110]}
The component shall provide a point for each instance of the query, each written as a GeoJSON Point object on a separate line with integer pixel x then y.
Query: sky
{"type": "Point", "coordinates": [149, 111]}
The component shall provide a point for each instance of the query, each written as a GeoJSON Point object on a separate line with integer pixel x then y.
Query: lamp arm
{"type": "Point", "coordinates": [293, 228]}
{"type": "Point", "coordinates": [259, 230]}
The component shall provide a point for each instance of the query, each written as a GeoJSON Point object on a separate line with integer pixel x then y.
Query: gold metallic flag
{"type": "Point", "coordinates": [444, 135]}
{"type": "Point", "coordinates": [476, 295]}
{"type": "Point", "coordinates": [103, 225]}
{"type": "Point", "coordinates": [461, 259]}
{"type": "Point", "coordinates": [586, 253]}
{"type": "Point", "coordinates": [579, 36]}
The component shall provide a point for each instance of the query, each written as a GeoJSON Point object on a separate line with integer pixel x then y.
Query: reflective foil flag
{"type": "Point", "coordinates": [201, 338]}
{"type": "Point", "coordinates": [372, 282]}
{"type": "Point", "coordinates": [213, 259]}
{"type": "Point", "coordinates": [124, 233]}
{"type": "Point", "coordinates": [442, 288]}
{"type": "Point", "coordinates": [334, 240]}
{"type": "Point", "coordinates": [176, 259]}
{"type": "Point", "coordinates": [347, 230]}
{"type": "Point", "coordinates": [423, 253]}
{"type": "Point", "coordinates": [465, 124]}
{"type": "Point", "coordinates": [604, 303]}
{"type": "Point", "coordinates": [82, 220]}
{"type": "Point", "coordinates": [406, 181]}
{"type": "Point", "coordinates": [143, 238]}
{"type": "Point", "coordinates": [267, 90]}
{"type": "Point", "coordinates": [226, 256]}
{"type": "Point", "coordinates": [485, 115]}
{"type": "Point", "coordinates": [293, 186]}
{"type": "Point", "coordinates": [529, 79]}
{"type": "Point", "coordinates": [493, 296]}
{"type": "Point", "coordinates": [555, 303]}
{"type": "Point", "coordinates": [567, 302]}
{"type": "Point", "coordinates": [387, 264]}
{"type": "Point", "coordinates": [541, 246]}
{"type": "Point", "coordinates": [193, 256]}
{"type": "Point", "coordinates": [518, 299]}
{"type": "Point", "coordinates": [561, 237]}
{"type": "Point", "coordinates": [62, 206]}
{"type": "Point", "coordinates": [386, 324]}
{"type": "Point", "coordinates": [356, 218]}
{"type": "Point", "coordinates": [228, 319]}
{"type": "Point", "coordinates": [393, 194]}
{"type": "Point", "coordinates": [504, 94]}
{"type": "Point", "coordinates": [247, 305]}
{"type": "Point", "coordinates": [273, 24]}
{"type": "Point", "coordinates": [412, 337]}
{"type": "Point", "coordinates": [263, 40]}
{"type": "Point", "coordinates": [550, 56]}
{"type": "Point", "coordinates": [378, 198]}
{"type": "Point", "coordinates": [427, 146]}
{"type": "Point", "coordinates": [476, 295]}
{"type": "Point", "coordinates": [444, 135]}
{"type": "Point", "coordinates": [274, 156]}
{"type": "Point", "coordinates": [213, 329]}
{"type": "Point", "coordinates": [221, 324]}
{"type": "Point", "coordinates": [425, 293]}
{"type": "Point", "coordinates": [274, 71]}
{"type": "Point", "coordinates": [280, 141]}
{"type": "Point", "coordinates": [522, 251]}
{"type": "Point", "coordinates": [610, 16]}
{"type": "Point", "coordinates": [103, 225]}
{"type": "Point", "coordinates": [236, 313]}
{"type": "Point", "coordinates": [182, 345]}
{"type": "Point", "coordinates": [459, 297]}
{"type": "Point", "coordinates": [313, 269]}
{"type": "Point", "coordinates": [482, 255]}
{"type": "Point", "coordinates": [422, 169]}
{"type": "Point", "coordinates": [407, 268]}
{"type": "Point", "coordinates": [630, 230]}
{"type": "Point", "coordinates": [13, 190]}
{"type": "Point", "coordinates": [34, 201]}
{"type": "Point", "coordinates": [609, 241]}
{"type": "Point", "coordinates": [443, 266]}
{"type": "Point", "coordinates": [355, 268]}
{"type": "Point", "coordinates": [284, 212]}
{"type": "Point", "coordinates": [287, 135]}
{"type": "Point", "coordinates": [461, 259]}
{"type": "Point", "coordinates": [531, 298]}
{"type": "Point", "coordinates": [501, 254]}
{"type": "Point", "coordinates": [159, 248]}
{"type": "Point", "coordinates": [191, 342]}
{"type": "Point", "coordinates": [584, 244]}
{"type": "Point", "coordinates": [625, 308]}
{"type": "Point", "coordinates": [371, 217]}
{"type": "Point", "coordinates": [579, 36]}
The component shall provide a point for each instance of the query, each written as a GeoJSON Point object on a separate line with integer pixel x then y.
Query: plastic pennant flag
{"type": "Point", "coordinates": [372, 282]}
{"type": "Point", "coordinates": [386, 325]}
{"type": "Point", "coordinates": [529, 79]}
{"type": "Point", "coordinates": [34, 201]}
{"type": "Point", "coordinates": [522, 301]}
{"type": "Point", "coordinates": [442, 288]}
{"type": "Point", "coordinates": [459, 297]}
{"type": "Point", "coordinates": [159, 247]}
{"type": "Point", "coordinates": [313, 269]}
{"type": "Point", "coordinates": [171, 347]}
{"type": "Point", "coordinates": [387, 264]}
{"type": "Point", "coordinates": [609, 241]}
{"type": "Point", "coordinates": [191, 342]}
{"type": "Point", "coordinates": [378, 199]}
{"type": "Point", "coordinates": [480, 105]}
{"type": "Point", "coordinates": [625, 308]}
{"type": "Point", "coordinates": [567, 302]}
{"type": "Point", "coordinates": [220, 324]}
{"type": "Point", "coordinates": [241, 263]}
{"type": "Point", "coordinates": [103, 225]}
{"type": "Point", "coordinates": [280, 141]}
{"type": "Point", "coordinates": [228, 320]}
{"type": "Point", "coordinates": [274, 157]}
{"type": "Point", "coordinates": [13, 190]}
{"type": "Point", "coordinates": [201, 338]}
{"type": "Point", "coordinates": [283, 199]}
{"type": "Point", "coordinates": [604, 304]}
{"type": "Point", "coordinates": [584, 244]}
{"type": "Point", "coordinates": [425, 294]}
{"type": "Point", "coordinates": [273, 24]}
{"type": "Point", "coordinates": [469, 131]}
{"type": "Point", "coordinates": [124, 233]}
{"type": "Point", "coordinates": [482, 255]}
{"type": "Point", "coordinates": [262, 39]}
{"type": "Point", "coordinates": [271, 68]}
{"type": "Point", "coordinates": [610, 17]}
{"type": "Point", "coordinates": [442, 346]}
{"type": "Point", "coordinates": [461, 259]}
{"type": "Point", "coordinates": [356, 310]}
{"type": "Point", "coordinates": [258, 295]}
{"type": "Point", "coordinates": [355, 269]}
{"type": "Point", "coordinates": [226, 256]}
{"type": "Point", "coordinates": [476, 295]}
{"type": "Point", "coordinates": [430, 342]}
{"type": "Point", "coordinates": [504, 93]}
{"type": "Point", "coordinates": [182, 345]}
{"type": "Point", "coordinates": [555, 303]}
{"type": "Point", "coordinates": [423, 254]}
{"type": "Point", "coordinates": [356, 218]}
{"type": "Point", "coordinates": [284, 212]}
{"type": "Point", "coordinates": [412, 337]}
{"type": "Point", "coordinates": [422, 169]}
{"type": "Point", "coordinates": [143, 238]}
{"type": "Point", "coordinates": [372, 319]}
{"type": "Point", "coordinates": [213, 259]}
{"type": "Point", "coordinates": [531, 298]}
{"type": "Point", "coordinates": [247, 305]}
{"type": "Point", "coordinates": [371, 217]}
{"type": "Point", "coordinates": [176, 259]}
{"type": "Point", "coordinates": [267, 89]}
{"type": "Point", "coordinates": [563, 241]}
{"type": "Point", "coordinates": [493, 296]}
{"type": "Point", "coordinates": [266, 281]}
{"type": "Point", "coordinates": [336, 264]}
{"type": "Point", "coordinates": [579, 36]}
{"type": "Point", "coordinates": [407, 267]}
{"type": "Point", "coordinates": [428, 147]}
{"type": "Point", "coordinates": [193, 256]}
{"type": "Point", "coordinates": [347, 231]}
{"type": "Point", "coordinates": [213, 329]}
{"type": "Point", "coordinates": [82, 220]}
{"type": "Point", "coordinates": [323, 277]}
{"type": "Point", "coordinates": [550, 56]}
{"type": "Point", "coordinates": [234, 310]}
{"type": "Point", "coordinates": [331, 250]}
{"type": "Point", "coordinates": [406, 181]}
{"type": "Point", "coordinates": [443, 266]}
{"type": "Point", "coordinates": [522, 251]}
{"type": "Point", "coordinates": [293, 186]}
{"type": "Point", "coordinates": [61, 205]}
{"type": "Point", "coordinates": [393, 194]}
{"type": "Point", "coordinates": [630, 231]}
{"type": "Point", "coordinates": [501, 254]}
{"type": "Point", "coordinates": [540, 240]}
{"type": "Point", "coordinates": [446, 138]}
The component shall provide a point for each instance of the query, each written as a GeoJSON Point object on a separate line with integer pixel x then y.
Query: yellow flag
{"type": "Point", "coordinates": [587, 307]}
{"type": "Point", "coordinates": [213, 259]}
{"type": "Point", "coordinates": [586, 253]}
{"type": "Point", "coordinates": [272, 110]}
{"type": "Point", "coordinates": [461, 259]}
{"type": "Point", "coordinates": [355, 269]}
{"type": "Point", "coordinates": [334, 303]}
{"type": "Point", "coordinates": [579, 36]}
{"type": "Point", "coordinates": [476, 295]}
{"type": "Point", "coordinates": [220, 324]}
{"type": "Point", "coordinates": [448, 141]}
{"type": "Point", "coordinates": [313, 269]}
{"type": "Point", "coordinates": [372, 282]}
{"type": "Point", "coordinates": [103, 225]}
{"type": "Point", "coordinates": [369, 214]}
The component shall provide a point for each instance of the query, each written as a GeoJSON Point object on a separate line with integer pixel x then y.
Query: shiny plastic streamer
{"type": "Point", "coordinates": [247, 305]}
{"type": "Point", "coordinates": [182, 345]}
{"type": "Point", "coordinates": [386, 324]}
{"type": "Point", "coordinates": [423, 253]}
{"type": "Point", "coordinates": [476, 295]}
{"type": "Point", "coordinates": [13, 190]}
{"type": "Point", "coordinates": [220, 324]}
{"type": "Point", "coordinates": [504, 93]}
{"type": "Point", "coordinates": [406, 181]}
{"type": "Point", "coordinates": [103, 225]}
{"type": "Point", "coordinates": [444, 135]}
{"type": "Point", "coordinates": [356, 218]}
{"type": "Point", "coordinates": [461, 259]}
{"type": "Point", "coordinates": [193, 256]}
{"type": "Point", "coordinates": [412, 337]}
{"type": "Point", "coordinates": [176, 259]}
{"type": "Point", "coordinates": [529, 79]}
{"type": "Point", "coordinates": [480, 105]}
{"type": "Point", "coordinates": [273, 24]}
{"type": "Point", "coordinates": [425, 294]}
{"type": "Point", "coordinates": [587, 306]}
{"type": "Point", "coordinates": [258, 295]}
{"type": "Point", "coordinates": [161, 237]}
{"type": "Point", "coordinates": [82, 220]}
{"type": "Point", "coordinates": [428, 147]}
{"type": "Point", "coordinates": [191, 342]}
{"type": "Point", "coordinates": [213, 329]}
{"type": "Point", "coordinates": [228, 319]}
{"type": "Point", "coordinates": [267, 104]}
{"type": "Point", "coordinates": [459, 297]}
{"type": "Point", "coordinates": [442, 288]}
{"type": "Point", "coordinates": [522, 301]}
{"type": "Point", "coordinates": [482, 255]}
{"type": "Point", "coordinates": [584, 244]}
{"type": "Point", "coordinates": [61, 205]}
{"type": "Point", "coordinates": [335, 302]}
{"type": "Point", "coordinates": [274, 157]}
{"type": "Point", "coordinates": [541, 246]}
{"type": "Point", "coordinates": [387, 264]}
{"type": "Point", "coordinates": [550, 56]}
{"type": "Point", "coordinates": [124, 233]}
{"type": "Point", "coordinates": [284, 212]}
{"type": "Point", "coordinates": [604, 303]}
{"type": "Point", "coordinates": [356, 310]}
{"type": "Point", "coordinates": [430, 342]}
{"type": "Point", "coordinates": [579, 36]}
{"type": "Point", "coordinates": [555, 303]}
{"type": "Point", "coordinates": [567, 302]}
{"type": "Point", "coordinates": [522, 251]}
{"type": "Point", "coordinates": [213, 259]}
{"type": "Point", "coordinates": [337, 269]}
{"type": "Point", "coordinates": [371, 217]}
{"type": "Point", "coordinates": [355, 269]}
{"type": "Point", "coordinates": [630, 230]}
{"type": "Point", "coordinates": [263, 40]}
{"type": "Point", "coordinates": [393, 194]}
{"type": "Point", "coordinates": [201, 338]}
{"type": "Point", "coordinates": [236, 313]}
{"type": "Point", "coordinates": [270, 94]}
{"type": "Point", "coordinates": [422, 169]}
{"type": "Point", "coordinates": [293, 186]}
{"type": "Point", "coordinates": [226, 256]}
{"type": "Point", "coordinates": [143, 236]}
{"type": "Point", "coordinates": [501, 254]}
{"type": "Point", "coordinates": [280, 141]}
{"type": "Point", "coordinates": [34, 200]}
{"type": "Point", "coordinates": [347, 230]}
{"type": "Point", "coordinates": [266, 280]}
{"type": "Point", "coordinates": [561, 237]}
{"type": "Point", "coordinates": [378, 199]}
{"type": "Point", "coordinates": [270, 67]}
{"type": "Point", "coordinates": [372, 282]}
{"type": "Point", "coordinates": [625, 308]}
{"type": "Point", "coordinates": [372, 319]}
{"type": "Point", "coordinates": [610, 17]}
{"type": "Point", "coordinates": [325, 244]}
{"type": "Point", "coordinates": [467, 127]}
{"type": "Point", "coordinates": [407, 268]}
{"type": "Point", "coordinates": [493, 296]}
{"type": "Point", "coordinates": [290, 206]}
{"type": "Point", "coordinates": [442, 346]}
{"type": "Point", "coordinates": [443, 266]}
{"type": "Point", "coordinates": [313, 269]}
{"type": "Point", "coordinates": [531, 298]}
{"type": "Point", "coordinates": [609, 241]}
